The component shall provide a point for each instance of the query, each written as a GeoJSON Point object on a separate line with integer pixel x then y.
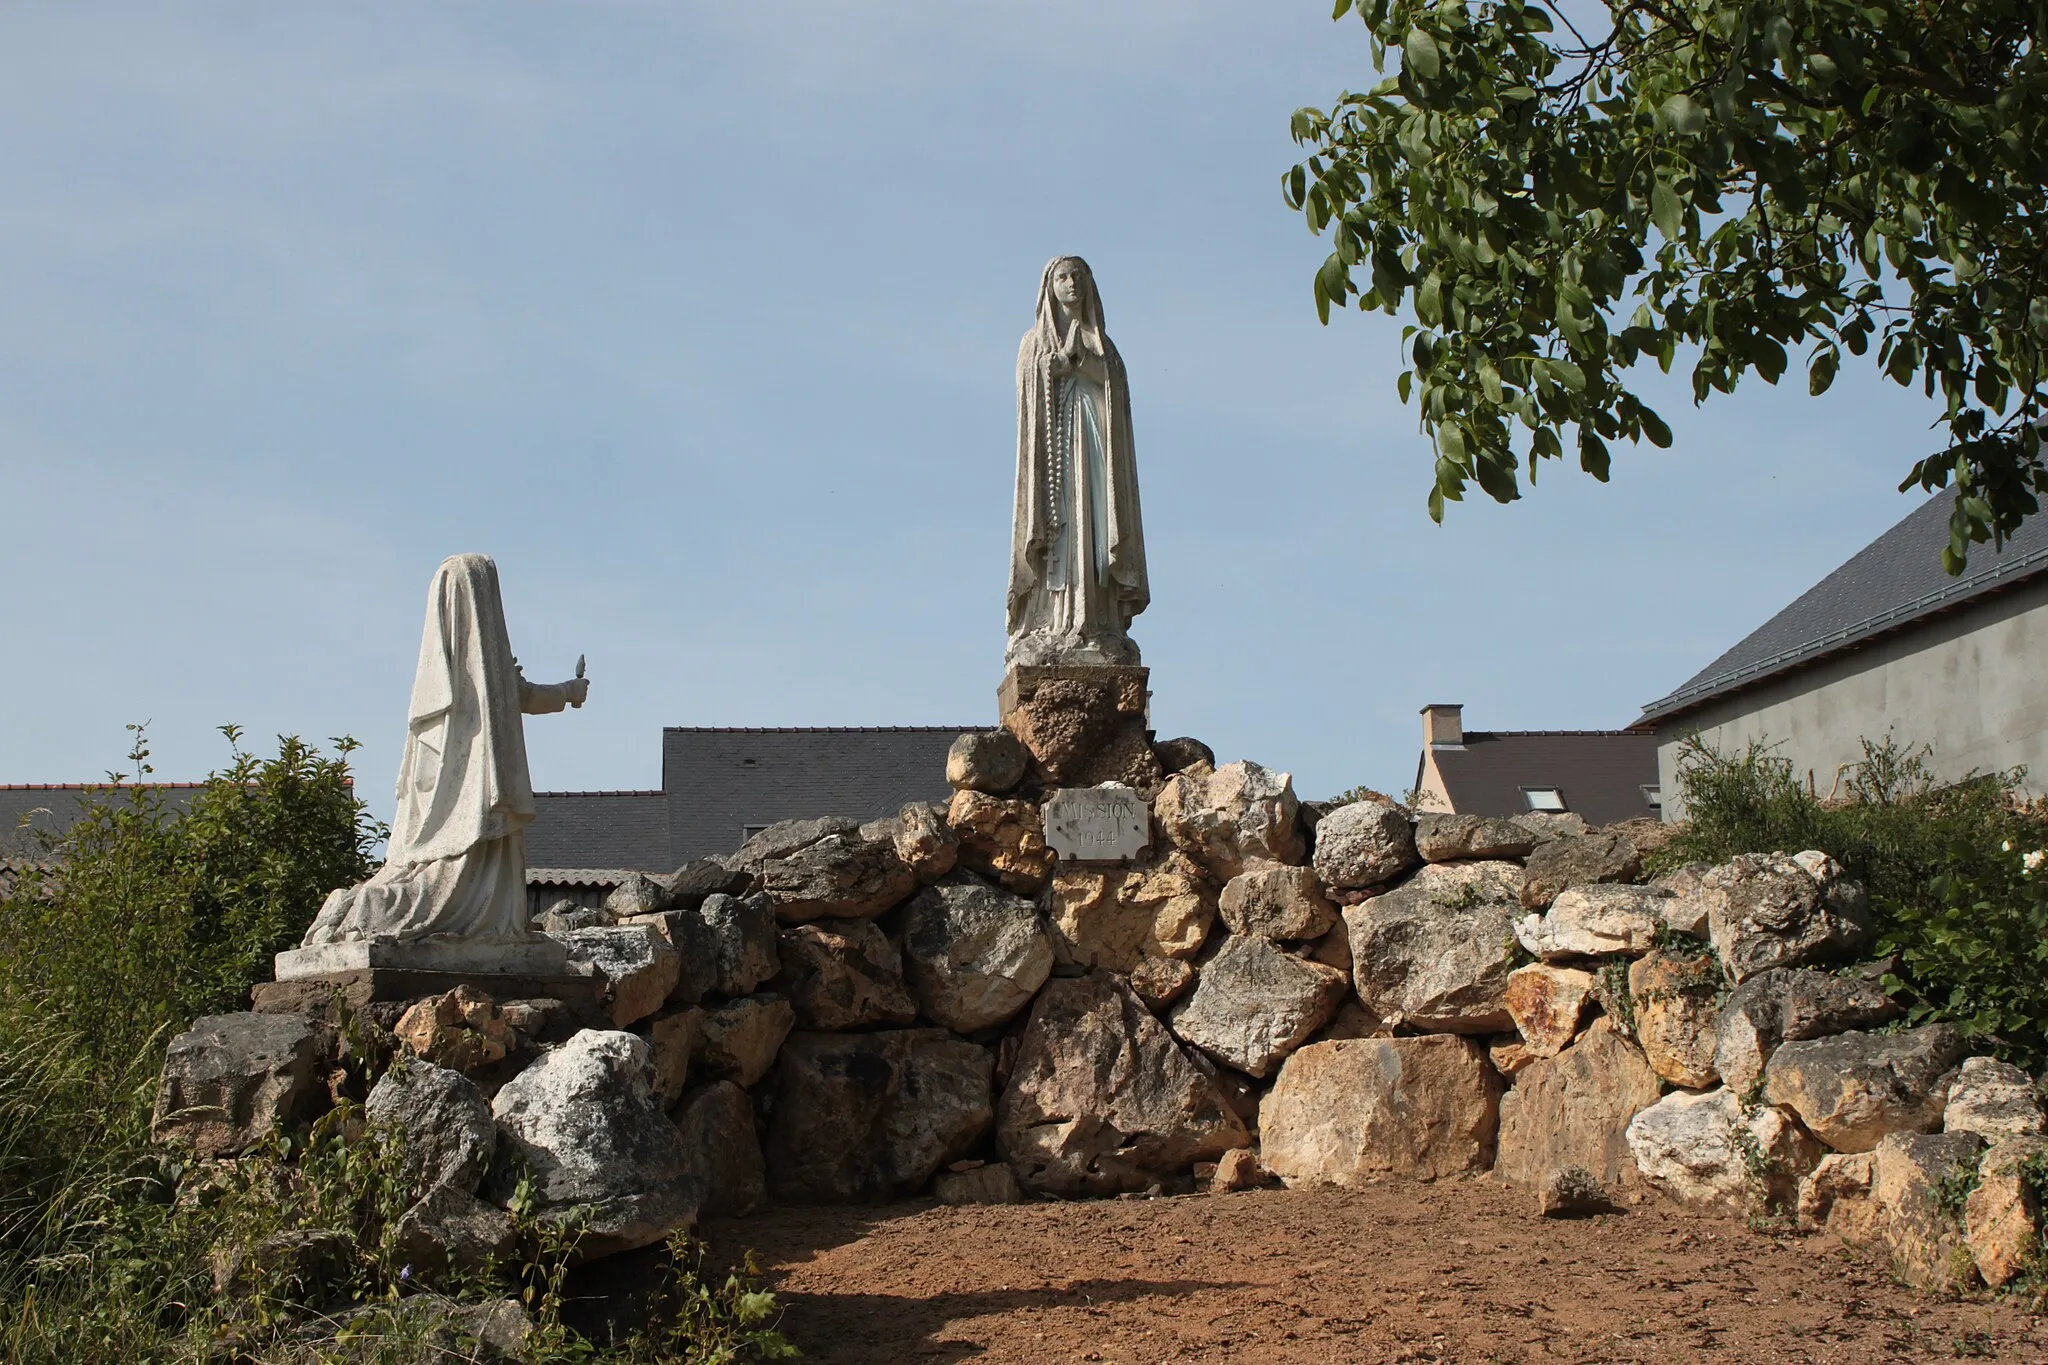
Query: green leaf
{"type": "Point", "coordinates": [1682, 114]}
{"type": "Point", "coordinates": [1664, 208]}
{"type": "Point", "coordinates": [1567, 374]}
{"type": "Point", "coordinates": [1420, 55]}
{"type": "Point", "coordinates": [1343, 8]}
{"type": "Point", "coordinates": [1821, 373]}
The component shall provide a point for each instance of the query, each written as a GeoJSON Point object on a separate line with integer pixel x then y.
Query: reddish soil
{"type": "Point", "coordinates": [1460, 1271]}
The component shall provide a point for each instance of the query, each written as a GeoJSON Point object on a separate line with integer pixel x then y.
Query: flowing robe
{"type": "Point", "coordinates": [456, 863]}
{"type": "Point", "coordinates": [1077, 569]}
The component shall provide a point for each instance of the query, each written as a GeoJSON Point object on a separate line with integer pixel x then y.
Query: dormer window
{"type": "Point", "coordinates": [1546, 799]}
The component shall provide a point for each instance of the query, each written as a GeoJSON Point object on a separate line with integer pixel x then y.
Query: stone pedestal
{"type": "Point", "coordinates": [1083, 723]}
{"type": "Point", "coordinates": [366, 971]}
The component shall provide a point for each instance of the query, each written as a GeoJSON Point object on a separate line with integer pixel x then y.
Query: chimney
{"type": "Point", "coordinates": [1443, 723]}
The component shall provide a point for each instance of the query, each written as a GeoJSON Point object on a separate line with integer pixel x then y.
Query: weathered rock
{"type": "Point", "coordinates": [305, 1265]}
{"type": "Point", "coordinates": [1788, 1005]}
{"type": "Point", "coordinates": [1001, 840]}
{"type": "Point", "coordinates": [1116, 917]}
{"type": "Point", "coordinates": [449, 1226]}
{"type": "Point", "coordinates": [1581, 860]}
{"type": "Point", "coordinates": [443, 1121]}
{"type": "Point", "coordinates": [922, 839]}
{"type": "Point", "coordinates": [1852, 1089]}
{"type": "Point", "coordinates": [1912, 1179]}
{"type": "Point", "coordinates": [462, 1029]}
{"type": "Point", "coordinates": [737, 1041]}
{"type": "Point", "coordinates": [724, 947]}
{"type": "Point", "coordinates": [1574, 1109]}
{"type": "Point", "coordinates": [1548, 1005]}
{"type": "Point", "coordinates": [566, 914]}
{"type": "Point", "coordinates": [1835, 1197]}
{"type": "Point", "coordinates": [2002, 1215]}
{"type": "Point", "coordinates": [1083, 730]}
{"type": "Point", "coordinates": [1686, 911]}
{"type": "Point", "coordinates": [863, 1118]}
{"type": "Point", "coordinates": [1705, 1150]}
{"type": "Point", "coordinates": [1993, 1098]}
{"type": "Point", "coordinates": [594, 1136]}
{"type": "Point", "coordinates": [1448, 838]}
{"type": "Point", "coordinates": [1435, 952]}
{"type": "Point", "coordinates": [1159, 981]}
{"type": "Point", "coordinates": [843, 874]}
{"type": "Point", "coordinates": [1178, 755]}
{"type": "Point", "coordinates": [845, 974]}
{"type": "Point", "coordinates": [1363, 844]}
{"type": "Point", "coordinates": [1102, 1100]}
{"type": "Point", "coordinates": [1239, 1170]}
{"type": "Point", "coordinates": [1509, 1056]}
{"type": "Point", "coordinates": [786, 837]}
{"type": "Point", "coordinates": [1353, 1111]}
{"type": "Point", "coordinates": [638, 894]}
{"type": "Point", "coordinates": [1594, 921]}
{"type": "Point", "coordinates": [1226, 818]}
{"type": "Point", "coordinates": [974, 955]}
{"type": "Point", "coordinates": [433, 1327]}
{"type": "Point", "coordinates": [638, 966]}
{"type": "Point", "coordinates": [1570, 1192]}
{"type": "Point", "coordinates": [991, 1183]}
{"type": "Point", "coordinates": [1276, 901]}
{"type": "Point", "coordinates": [991, 761]}
{"type": "Point", "coordinates": [231, 1078]}
{"type": "Point", "coordinates": [1768, 910]}
{"type": "Point", "coordinates": [1255, 1003]}
{"type": "Point", "coordinates": [1546, 826]}
{"type": "Point", "coordinates": [672, 1042]}
{"type": "Point", "coordinates": [721, 1155]}
{"type": "Point", "coordinates": [1677, 1016]}
{"type": "Point", "coordinates": [690, 885]}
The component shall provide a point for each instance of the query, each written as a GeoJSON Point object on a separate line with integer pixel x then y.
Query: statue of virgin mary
{"type": "Point", "coordinates": [1077, 550]}
{"type": "Point", "coordinates": [452, 891]}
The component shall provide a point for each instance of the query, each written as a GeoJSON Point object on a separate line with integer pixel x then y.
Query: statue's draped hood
{"type": "Point", "coordinates": [463, 777]}
{"type": "Point", "coordinates": [1037, 406]}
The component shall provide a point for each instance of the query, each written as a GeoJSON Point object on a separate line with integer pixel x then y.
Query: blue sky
{"type": "Point", "coordinates": [701, 318]}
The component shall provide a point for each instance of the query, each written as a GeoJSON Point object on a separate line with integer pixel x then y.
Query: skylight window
{"type": "Point", "coordinates": [1653, 796]}
{"type": "Point", "coordinates": [1544, 798]}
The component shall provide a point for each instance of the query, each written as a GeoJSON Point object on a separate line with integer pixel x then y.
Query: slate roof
{"type": "Point", "coordinates": [722, 781]}
{"type": "Point", "coordinates": [1889, 585]}
{"type": "Point", "coordinates": [599, 830]}
{"type": "Point", "coordinates": [1600, 773]}
{"type": "Point", "coordinates": [54, 807]}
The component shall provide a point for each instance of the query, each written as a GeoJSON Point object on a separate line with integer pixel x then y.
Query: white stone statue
{"type": "Point", "coordinates": [1077, 547]}
{"type": "Point", "coordinates": [452, 892]}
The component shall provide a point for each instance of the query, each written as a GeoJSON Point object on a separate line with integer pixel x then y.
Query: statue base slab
{"type": "Point", "coordinates": [1084, 724]}
{"type": "Point", "coordinates": [1129, 683]}
{"type": "Point", "coordinates": [538, 957]}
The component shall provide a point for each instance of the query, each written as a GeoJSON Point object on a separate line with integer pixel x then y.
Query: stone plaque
{"type": "Point", "coordinates": [1106, 824]}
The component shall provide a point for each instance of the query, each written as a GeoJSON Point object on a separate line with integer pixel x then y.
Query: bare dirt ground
{"type": "Point", "coordinates": [1456, 1273]}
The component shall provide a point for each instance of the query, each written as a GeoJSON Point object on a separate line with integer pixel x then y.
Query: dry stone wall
{"type": "Point", "coordinates": [938, 1004]}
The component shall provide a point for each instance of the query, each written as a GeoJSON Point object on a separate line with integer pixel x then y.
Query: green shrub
{"type": "Point", "coordinates": [1944, 865]}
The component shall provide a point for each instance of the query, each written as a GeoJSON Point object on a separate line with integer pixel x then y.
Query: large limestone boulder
{"type": "Point", "coordinates": [724, 947]}
{"type": "Point", "coordinates": [1789, 1005]}
{"type": "Point", "coordinates": [1436, 951]}
{"type": "Point", "coordinates": [1449, 838]}
{"type": "Point", "coordinates": [1119, 917]}
{"type": "Point", "coordinates": [594, 1137]}
{"type": "Point", "coordinates": [975, 955]}
{"type": "Point", "coordinates": [672, 1043]}
{"type": "Point", "coordinates": [1352, 1111]}
{"type": "Point", "coordinates": [1548, 1004]}
{"type": "Point", "coordinates": [1255, 1003]}
{"type": "Point", "coordinates": [2002, 1215]}
{"type": "Point", "coordinates": [1768, 910]}
{"type": "Point", "coordinates": [991, 761]}
{"type": "Point", "coordinates": [1852, 1089]}
{"type": "Point", "coordinates": [1707, 1151]}
{"type": "Point", "coordinates": [1913, 1176]}
{"type": "Point", "coordinates": [1364, 844]}
{"type": "Point", "coordinates": [1231, 815]}
{"type": "Point", "coordinates": [722, 1160]}
{"type": "Point", "coordinates": [639, 967]}
{"type": "Point", "coordinates": [1002, 840]}
{"type": "Point", "coordinates": [463, 1029]}
{"type": "Point", "coordinates": [840, 873]}
{"type": "Point", "coordinates": [638, 894]}
{"type": "Point", "coordinates": [1579, 860]}
{"type": "Point", "coordinates": [1995, 1099]}
{"type": "Point", "coordinates": [845, 974]}
{"type": "Point", "coordinates": [1574, 1109]}
{"type": "Point", "coordinates": [1083, 731]}
{"type": "Point", "coordinates": [1277, 901]}
{"type": "Point", "coordinates": [231, 1078]}
{"type": "Point", "coordinates": [1677, 1016]}
{"type": "Point", "coordinates": [1595, 921]}
{"type": "Point", "coordinates": [1835, 1197]}
{"type": "Point", "coordinates": [690, 885]}
{"type": "Point", "coordinates": [1102, 1100]}
{"type": "Point", "coordinates": [864, 1118]}
{"type": "Point", "coordinates": [921, 837]}
{"type": "Point", "coordinates": [737, 1041]}
{"type": "Point", "coordinates": [443, 1121]}
{"type": "Point", "coordinates": [449, 1226]}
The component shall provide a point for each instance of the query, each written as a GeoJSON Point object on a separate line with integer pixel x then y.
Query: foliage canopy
{"type": "Point", "coordinates": [1755, 181]}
